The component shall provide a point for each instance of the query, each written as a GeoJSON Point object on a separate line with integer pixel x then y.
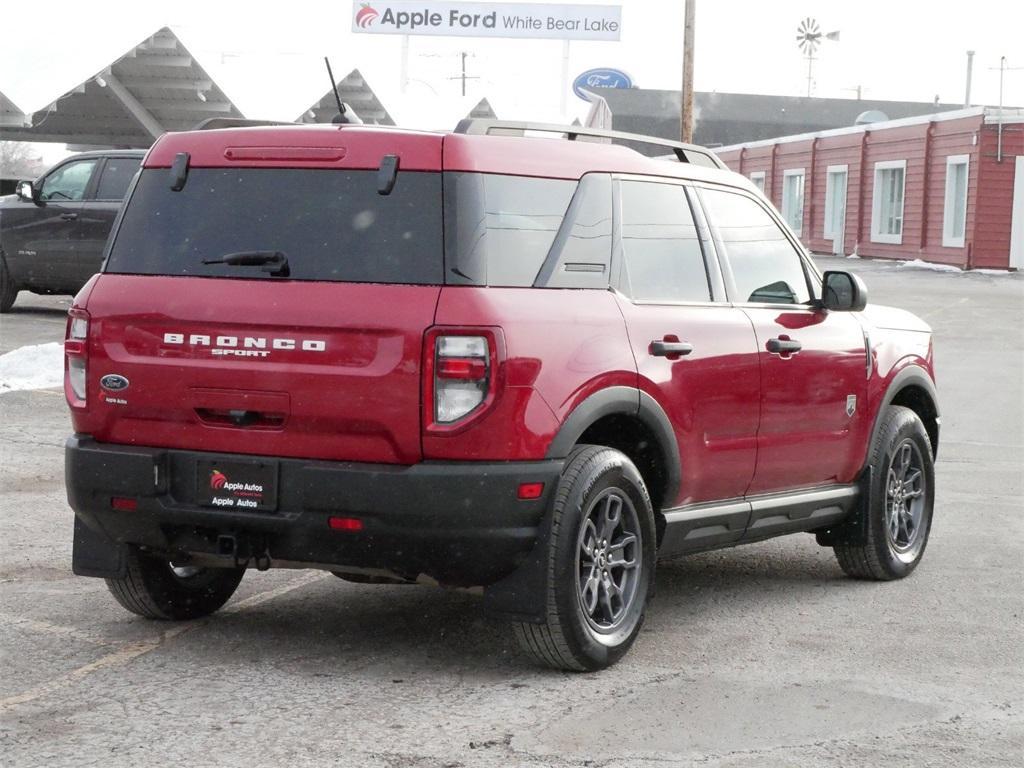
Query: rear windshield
{"type": "Point", "coordinates": [482, 229]}
{"type": "Point", "coordinates": [329, 224]}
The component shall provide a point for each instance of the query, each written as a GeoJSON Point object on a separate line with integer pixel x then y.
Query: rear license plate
{"type": "Point", "coordinates": [244, 485]}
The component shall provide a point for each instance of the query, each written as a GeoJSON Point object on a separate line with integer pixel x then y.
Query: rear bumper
{"type": "Point", "coordinates": [458, 522]}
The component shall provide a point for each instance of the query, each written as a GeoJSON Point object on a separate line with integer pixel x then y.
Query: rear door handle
{"type": "Point", "coordinates": [662, 348]}
{"type": "Point", "coordinates": [783, 346]}
{"type": "Point", "coordinates": [69, 216]}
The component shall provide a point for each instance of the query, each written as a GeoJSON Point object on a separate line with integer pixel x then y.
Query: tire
{"type": "Point", "coordinates": [8, 290]}
{"type": "Point", "coordinates": [601, 502]}
{"type": "Point", "coordinates": [156, 589]}
{"type": "Point", "coordinates": [898, 513]}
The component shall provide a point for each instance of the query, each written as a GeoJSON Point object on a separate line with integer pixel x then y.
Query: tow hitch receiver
{"type": "Point", "coordinates": [245, 547]}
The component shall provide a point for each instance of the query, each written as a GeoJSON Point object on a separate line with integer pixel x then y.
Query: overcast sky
{"type": "Point", "coordinates": [267, 58]}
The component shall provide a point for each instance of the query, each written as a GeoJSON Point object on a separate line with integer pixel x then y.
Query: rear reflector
{"type": "Point", "coordinates": [124, 504]}
{"type": "Point", "coordinates": [530, 490]}
{"type": "Point", "coordinates": [345, 523]}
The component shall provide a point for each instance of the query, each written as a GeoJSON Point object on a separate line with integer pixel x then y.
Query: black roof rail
{"type": "Point", "coordinates": [684, 153]}
{"type": "Point", "coordinates": [214, 123]}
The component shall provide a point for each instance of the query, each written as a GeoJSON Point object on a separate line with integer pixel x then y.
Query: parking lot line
{"type": "Point", "coordinates": [46, 628]}
{"type": "Point", "coordinates": [128, 652]}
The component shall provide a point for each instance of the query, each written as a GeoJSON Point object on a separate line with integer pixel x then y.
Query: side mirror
{"type": "Point", "coordinates": [26, 191]}
{"type": "Point", "coordinates": [843, 292]}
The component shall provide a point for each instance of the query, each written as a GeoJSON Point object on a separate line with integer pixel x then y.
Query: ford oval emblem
{"type": "Point", "coordinates": [114, 382]}
{"type": "Point", "coordinates": [603, 77]}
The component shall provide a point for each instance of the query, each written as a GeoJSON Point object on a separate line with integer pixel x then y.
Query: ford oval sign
{"type": "Point", "coordinates": [593, 79]}
{"type": "Point", "coordinates": [114, 382]}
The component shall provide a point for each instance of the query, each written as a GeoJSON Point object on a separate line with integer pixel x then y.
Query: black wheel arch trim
{"type": "Point", "coordinates": [630, 402]}
{"type": "Point", "coordinates": [912, 375]}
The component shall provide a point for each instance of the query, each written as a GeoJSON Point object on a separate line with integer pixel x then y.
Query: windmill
{"type": "Point", "coordinates": [808, 38]}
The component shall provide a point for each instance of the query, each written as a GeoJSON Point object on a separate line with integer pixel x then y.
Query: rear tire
{"type": "Point", "coordinates": [8, 290]}
{"type": "Point", "coordinates": [156, 589]}
{"type": "Point", "coordinates": [898, 517]}
{"type": "Point", "coordinates": [601, 556]}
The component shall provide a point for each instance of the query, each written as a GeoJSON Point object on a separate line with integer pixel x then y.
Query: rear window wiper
{"type": "Point", "coordinates": [274, 263]}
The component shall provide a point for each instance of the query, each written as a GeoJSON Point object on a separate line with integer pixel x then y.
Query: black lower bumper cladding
{"type": "Point", "coordinates": [458, 522]}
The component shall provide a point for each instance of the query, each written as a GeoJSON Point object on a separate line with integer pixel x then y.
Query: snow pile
{"type": "Point", "coordinates": [919, 264]}
{"type": "Point", "coordinates": [997, 272]}
{"type": "Point", "coordinates": [38, 366]}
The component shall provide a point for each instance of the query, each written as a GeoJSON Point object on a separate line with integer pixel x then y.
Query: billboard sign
{"type": "Point", "coordinates": [530, 20]}
{"type": "Point", "coordinates": [603, 77]}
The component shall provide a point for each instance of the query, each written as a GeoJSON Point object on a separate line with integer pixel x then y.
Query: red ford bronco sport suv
{"type": "Point", "coordinates": [477, 358]}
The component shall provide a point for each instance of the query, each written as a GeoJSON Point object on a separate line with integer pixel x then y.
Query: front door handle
{"type": "Point", "coordinates": [69, 216]}
{"type": "Point", "coordinates": [783, 346]}
{"type": "Point", "coordinates": [666, 348]}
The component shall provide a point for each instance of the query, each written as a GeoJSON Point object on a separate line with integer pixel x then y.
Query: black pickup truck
{"type": "Point", "coordinates": [52, 232]}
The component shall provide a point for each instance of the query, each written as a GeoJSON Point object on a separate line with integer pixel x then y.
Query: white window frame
{"type": "Point", "coordinates": [827, 232]}
{"type": "Point", "coordinates": [761, 176]}
{"type": "Point", "coordinates": [877, 236]}
{"type": "Point", "coordinates": [787, 203]}
{"type": "Point", "coordinates": [948, 240]}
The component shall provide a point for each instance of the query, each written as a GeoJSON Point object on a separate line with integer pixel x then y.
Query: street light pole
{"type": "Point", "coordinates": [686, 107]}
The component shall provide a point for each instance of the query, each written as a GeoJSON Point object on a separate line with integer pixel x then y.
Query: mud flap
{"type": "Point", "coordinates": [852, 531]}
{"type": "Point", "coordinates": [95, 554]}
{"type": "Point", "coordinates": [522, 595]}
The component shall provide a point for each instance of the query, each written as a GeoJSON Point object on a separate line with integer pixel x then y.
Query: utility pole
{"type": "Point", "coordinates": [464, 77]}
{"type": "Point", "coordinates": [686, 107]}
{"type": "Point", "coordinates": [970, 70]}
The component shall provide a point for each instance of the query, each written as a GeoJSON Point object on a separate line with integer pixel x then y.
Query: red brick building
{"type": "Point", "coordinates": [945, 188]}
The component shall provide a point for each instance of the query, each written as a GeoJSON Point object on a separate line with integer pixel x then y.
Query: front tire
{"type": "Point", "coordinates": [601, 556]}
{"type": "Point", "coordinates": [898, 517]}
{"type": "Point", "coordinates": [157, 589]}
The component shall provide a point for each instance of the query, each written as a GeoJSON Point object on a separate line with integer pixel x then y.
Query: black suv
{"type": "Point", "coordinates": [53, 231]}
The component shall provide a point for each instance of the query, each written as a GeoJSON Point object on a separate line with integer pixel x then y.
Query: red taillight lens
{"type": "Point", "coordinates": [124, 504]}
{"type": "Point", "coordinates": [76, 354]}
{"type": "Point", "coordinates": [351, 524]}
{"type": "Point", "coordinates": [464, 369]}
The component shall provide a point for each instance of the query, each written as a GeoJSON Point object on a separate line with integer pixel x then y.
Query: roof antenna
{"type": "Point", "coordinates": [337, 97]}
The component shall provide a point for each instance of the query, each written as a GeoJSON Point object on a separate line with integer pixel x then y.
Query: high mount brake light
{"type": "Point", "coordinates": [76, 357]}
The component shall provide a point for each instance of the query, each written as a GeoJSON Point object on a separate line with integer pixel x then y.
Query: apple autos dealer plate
{"type": "Point", "coordinates": [242, 485]}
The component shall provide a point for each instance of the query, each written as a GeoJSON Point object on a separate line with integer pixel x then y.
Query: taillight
{"type": "Point", "coordinates": [460, 374]}
{"type": "Point", "coordinates": [76, 355]}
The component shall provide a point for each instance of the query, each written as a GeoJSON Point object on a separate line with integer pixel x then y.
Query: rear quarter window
{"type": "Point", "coordinates": [499, 229]}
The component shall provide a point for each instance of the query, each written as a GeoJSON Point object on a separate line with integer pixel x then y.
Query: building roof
{"type": "Point", "coordinates": [990, 116]}
{"type": "Point", "coordinates": [733, 118]}
{"type": "Point", "coordinates": [354, 91]}
{"type": "Point", "coordinates": [154, 87]}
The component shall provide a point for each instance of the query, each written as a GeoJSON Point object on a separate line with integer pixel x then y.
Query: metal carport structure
{"type": "Point", "coordinates": [155, 87]}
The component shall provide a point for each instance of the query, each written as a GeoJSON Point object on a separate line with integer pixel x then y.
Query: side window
{"type": "Point", "coordinates": [765, 266]}
{"type": "Point", "coordinates": [499, 229]}
{"type": "Point", "coordinates": [68, 182]}
{"type": "Point", "coordinates": [661, 252]}
{"type": "Point", "coordinates": [115, 177]}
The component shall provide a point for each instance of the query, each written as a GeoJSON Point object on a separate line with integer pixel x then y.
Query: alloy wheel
{"type": "Point", "coordinates": [608, 560]}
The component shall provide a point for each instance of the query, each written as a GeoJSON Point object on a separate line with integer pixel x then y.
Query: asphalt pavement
{"type": "Point", "coordinates": [759, 655]}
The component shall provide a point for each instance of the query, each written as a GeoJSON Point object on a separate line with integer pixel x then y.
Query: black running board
{"type": "Point", "coordinates": [698, 527]}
